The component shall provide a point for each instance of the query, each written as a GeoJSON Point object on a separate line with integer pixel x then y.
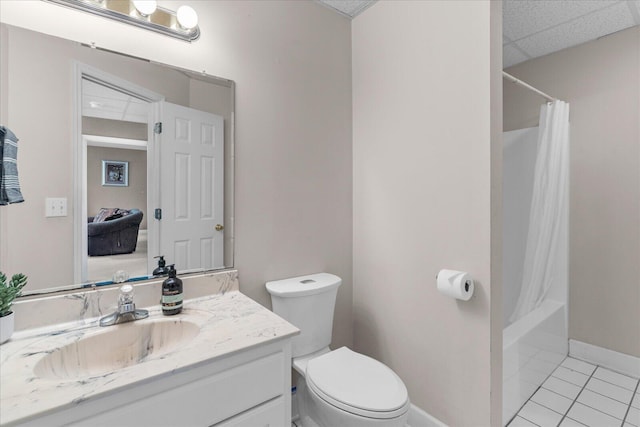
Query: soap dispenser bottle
{"type": "Point", "coordinates": [171, 293]}
{"type": "Point", "coordinates": [161, 270]}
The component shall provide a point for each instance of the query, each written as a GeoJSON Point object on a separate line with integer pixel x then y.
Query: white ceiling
{"type": "Point", "coordinates": [533, 28]}
{"type": "Point", "coordinates": [106, 103]}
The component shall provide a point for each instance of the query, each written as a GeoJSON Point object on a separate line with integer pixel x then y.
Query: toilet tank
{"type": "Point", "coordinates": [307, 302]}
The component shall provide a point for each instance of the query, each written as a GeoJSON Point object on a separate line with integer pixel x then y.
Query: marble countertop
{"type": "Point", "coordinates": [228, 322]}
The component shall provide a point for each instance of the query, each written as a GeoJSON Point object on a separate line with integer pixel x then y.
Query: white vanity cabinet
{"type": "Point", "coordinates": [235, 371]}
{"type": "Point", "coordinates": [247, 388]}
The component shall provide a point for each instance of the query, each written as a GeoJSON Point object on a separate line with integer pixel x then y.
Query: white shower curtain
{"type": "Point", "coordinates": [550, 192]}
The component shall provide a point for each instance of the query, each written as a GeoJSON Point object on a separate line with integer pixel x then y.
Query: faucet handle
{"type": "Point", "coordinates": [126, 309]}
{"type": "Point", "coordinates": [126, 295]}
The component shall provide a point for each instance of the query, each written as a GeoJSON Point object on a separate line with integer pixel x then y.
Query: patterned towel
{"type": "Point", "coordinates": [9, 185]}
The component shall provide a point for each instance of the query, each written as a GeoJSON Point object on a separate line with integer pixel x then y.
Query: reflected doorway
{"type": "Point", "coordinates": [117, 230]}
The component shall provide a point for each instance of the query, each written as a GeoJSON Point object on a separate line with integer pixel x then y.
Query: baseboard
{"type": "Point", "coordinates": [616, 361]}
{"type": "Point", "coordinates": [419, 418]}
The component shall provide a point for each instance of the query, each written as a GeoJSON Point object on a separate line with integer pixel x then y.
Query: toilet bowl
{"type": "Point", "coordinates": [345, 388]}
{"type": "Point", "coordinates": [339, 387]}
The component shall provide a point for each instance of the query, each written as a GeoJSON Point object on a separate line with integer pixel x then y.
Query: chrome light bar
{"type": "Point", "coordinates": [160, 20]}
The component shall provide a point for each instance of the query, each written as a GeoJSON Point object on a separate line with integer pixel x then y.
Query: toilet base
{"type": "Point", "coordinates": [315, 412]}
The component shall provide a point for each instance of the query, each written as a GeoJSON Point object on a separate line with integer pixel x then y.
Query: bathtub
{"type": "Point", "coordinates": [533, 347]}
{"type": "Point", "coordinates": [535, 344]}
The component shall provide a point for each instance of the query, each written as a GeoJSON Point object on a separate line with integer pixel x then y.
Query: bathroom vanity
{"type": "Point", "coordinates": [225, 360]}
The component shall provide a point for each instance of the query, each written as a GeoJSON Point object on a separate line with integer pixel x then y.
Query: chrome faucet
{"type": "Point", "coordinates": [127, 311]}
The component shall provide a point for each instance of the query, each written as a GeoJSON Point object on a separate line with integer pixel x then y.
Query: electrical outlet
{"type": "Point", "coordinates": [55, 206]}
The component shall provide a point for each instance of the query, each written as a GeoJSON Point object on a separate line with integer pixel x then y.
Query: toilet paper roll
{"type": "Point", "coordinates": [455, 284]}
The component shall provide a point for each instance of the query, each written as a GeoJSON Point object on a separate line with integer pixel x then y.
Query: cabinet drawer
{"type": "Point", "coordinates": [206, 401]}
{"type": "Point", "coordinates": [270, 414]}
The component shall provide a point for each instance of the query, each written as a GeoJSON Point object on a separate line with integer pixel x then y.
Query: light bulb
{"type": "Point", "coordinates": [187, 17]}
{"type": "Point", "coordinates": [145, 7]}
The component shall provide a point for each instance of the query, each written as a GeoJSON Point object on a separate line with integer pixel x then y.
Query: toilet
{"type": "Point", "coordinates": [336, 387]}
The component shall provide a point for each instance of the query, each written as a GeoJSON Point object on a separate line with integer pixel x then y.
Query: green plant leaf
{"type": "Point", "coordinates": [10, 291]}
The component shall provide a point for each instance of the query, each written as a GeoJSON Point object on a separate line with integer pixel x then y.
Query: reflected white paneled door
{"type": "Point", "coordinates": [191, 188]}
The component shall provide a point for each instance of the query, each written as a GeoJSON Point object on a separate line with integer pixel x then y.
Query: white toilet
{"type": "Point", "coordinates": [339, 387]}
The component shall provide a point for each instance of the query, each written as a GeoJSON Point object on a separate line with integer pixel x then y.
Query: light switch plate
{"type": "Point", "coordinates": [55, 206]}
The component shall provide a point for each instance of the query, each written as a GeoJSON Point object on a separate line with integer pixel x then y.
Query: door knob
{"type": "Point", "coordinates": [219, 227]}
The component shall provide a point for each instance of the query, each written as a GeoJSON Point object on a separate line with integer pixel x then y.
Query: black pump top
{"type": "Point", "coordinates": [160, 270]}
{"type": "Point", "coordinates": [171, 270]}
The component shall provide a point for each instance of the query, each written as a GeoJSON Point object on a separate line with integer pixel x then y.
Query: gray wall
{"type": "Point", "coordinates": [423, 156]}
{"type": "Point", "coordinates": [130, 197]}
{"type": "Point", "coordinates": [601, 81]}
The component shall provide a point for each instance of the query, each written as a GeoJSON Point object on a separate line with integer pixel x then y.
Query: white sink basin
{"type": "Point", "coordinates": [116, 347]}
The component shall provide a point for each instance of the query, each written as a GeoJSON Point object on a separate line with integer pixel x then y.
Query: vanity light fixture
{"type": "Point", "coordinates": [182, 24]}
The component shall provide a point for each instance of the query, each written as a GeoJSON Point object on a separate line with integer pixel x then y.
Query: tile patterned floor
{"type": "Point", "coordinates": [579, 394]}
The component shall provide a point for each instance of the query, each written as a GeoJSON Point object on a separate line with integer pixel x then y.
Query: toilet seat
{"type": "Point", "coordinates": [357, 384]}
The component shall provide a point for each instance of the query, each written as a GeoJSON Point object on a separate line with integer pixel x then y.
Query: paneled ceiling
{"type": "Point", "coordinates": [533, 28]}
{"type": "Point", "coordinates": [106, 103]}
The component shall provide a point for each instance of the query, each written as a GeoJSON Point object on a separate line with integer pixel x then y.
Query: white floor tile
{"type": "Point", "coordinates": [603, 403]}
{"type": "Point", "coordinates": [578, 365]}
{"type": "Point", "coordinates": [607, 389]}
{"type": "Point", "coordinates": [633, 417]}
{"type": "Point", "coordinates": [568, 422]}
{"type": "Point", "coordinates": [561, 387]}
{"type": "Point", "coordinates": [539, 415]}
{"type": "Point", "coordinates": [516, 393]}
{"type": "Point", "coordinates": [552, 400]}
{"type": "Point", "coordinates": [616, 378]}
{"type": "Point", "coordinates": [636, 401]}
{"type": "Point", "coordinates": [521, 422]}
{"type": "Point", "coordinates": [591, 417]}
{"type": "Point", "coordinates": [574, 377]}
{"type": "Point", "coordinates": [603, 398]}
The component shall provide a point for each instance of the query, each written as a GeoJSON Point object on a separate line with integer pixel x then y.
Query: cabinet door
{"type": "Point", "coordinates": [268, 414]}
{"type": "Point", "coordinates": [204, 402]}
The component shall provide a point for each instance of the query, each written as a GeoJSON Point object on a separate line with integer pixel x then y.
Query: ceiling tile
{"type": "Point", "coordinates": [523, 18]}
{"type": "Point", "coordinates": [348, 7]}
{"type": "Point", "coordinates": [103, 102]}
{"type": "Point", "coordinates": [634, 7]}
{"type": "Point", "coordinates": [512, 56]}
{"type": "Point", "coordinates": [581, 30]}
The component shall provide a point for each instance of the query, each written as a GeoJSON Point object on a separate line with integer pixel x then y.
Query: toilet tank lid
{"type": "Point", "coordinates": [304, 285]}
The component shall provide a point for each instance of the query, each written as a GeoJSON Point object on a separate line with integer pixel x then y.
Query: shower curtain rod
{"type": "Point", "coordinates": [526, 85]}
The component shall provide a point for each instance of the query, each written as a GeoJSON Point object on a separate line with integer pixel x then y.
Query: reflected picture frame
{"type": "Point", "coordinates": [115, 173]}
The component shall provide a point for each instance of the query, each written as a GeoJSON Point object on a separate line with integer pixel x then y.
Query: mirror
{"type": "Point", "coordinates": [138, 154]}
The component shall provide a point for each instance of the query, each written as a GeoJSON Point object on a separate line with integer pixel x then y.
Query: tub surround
{"type": "Point", "coordinates": [229, 323]}
{"type": "Point", "coordinates": [533, 347]}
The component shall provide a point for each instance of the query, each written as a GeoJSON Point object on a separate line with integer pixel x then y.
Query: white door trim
{"type": "Point", "coordinates": [80, 244]}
